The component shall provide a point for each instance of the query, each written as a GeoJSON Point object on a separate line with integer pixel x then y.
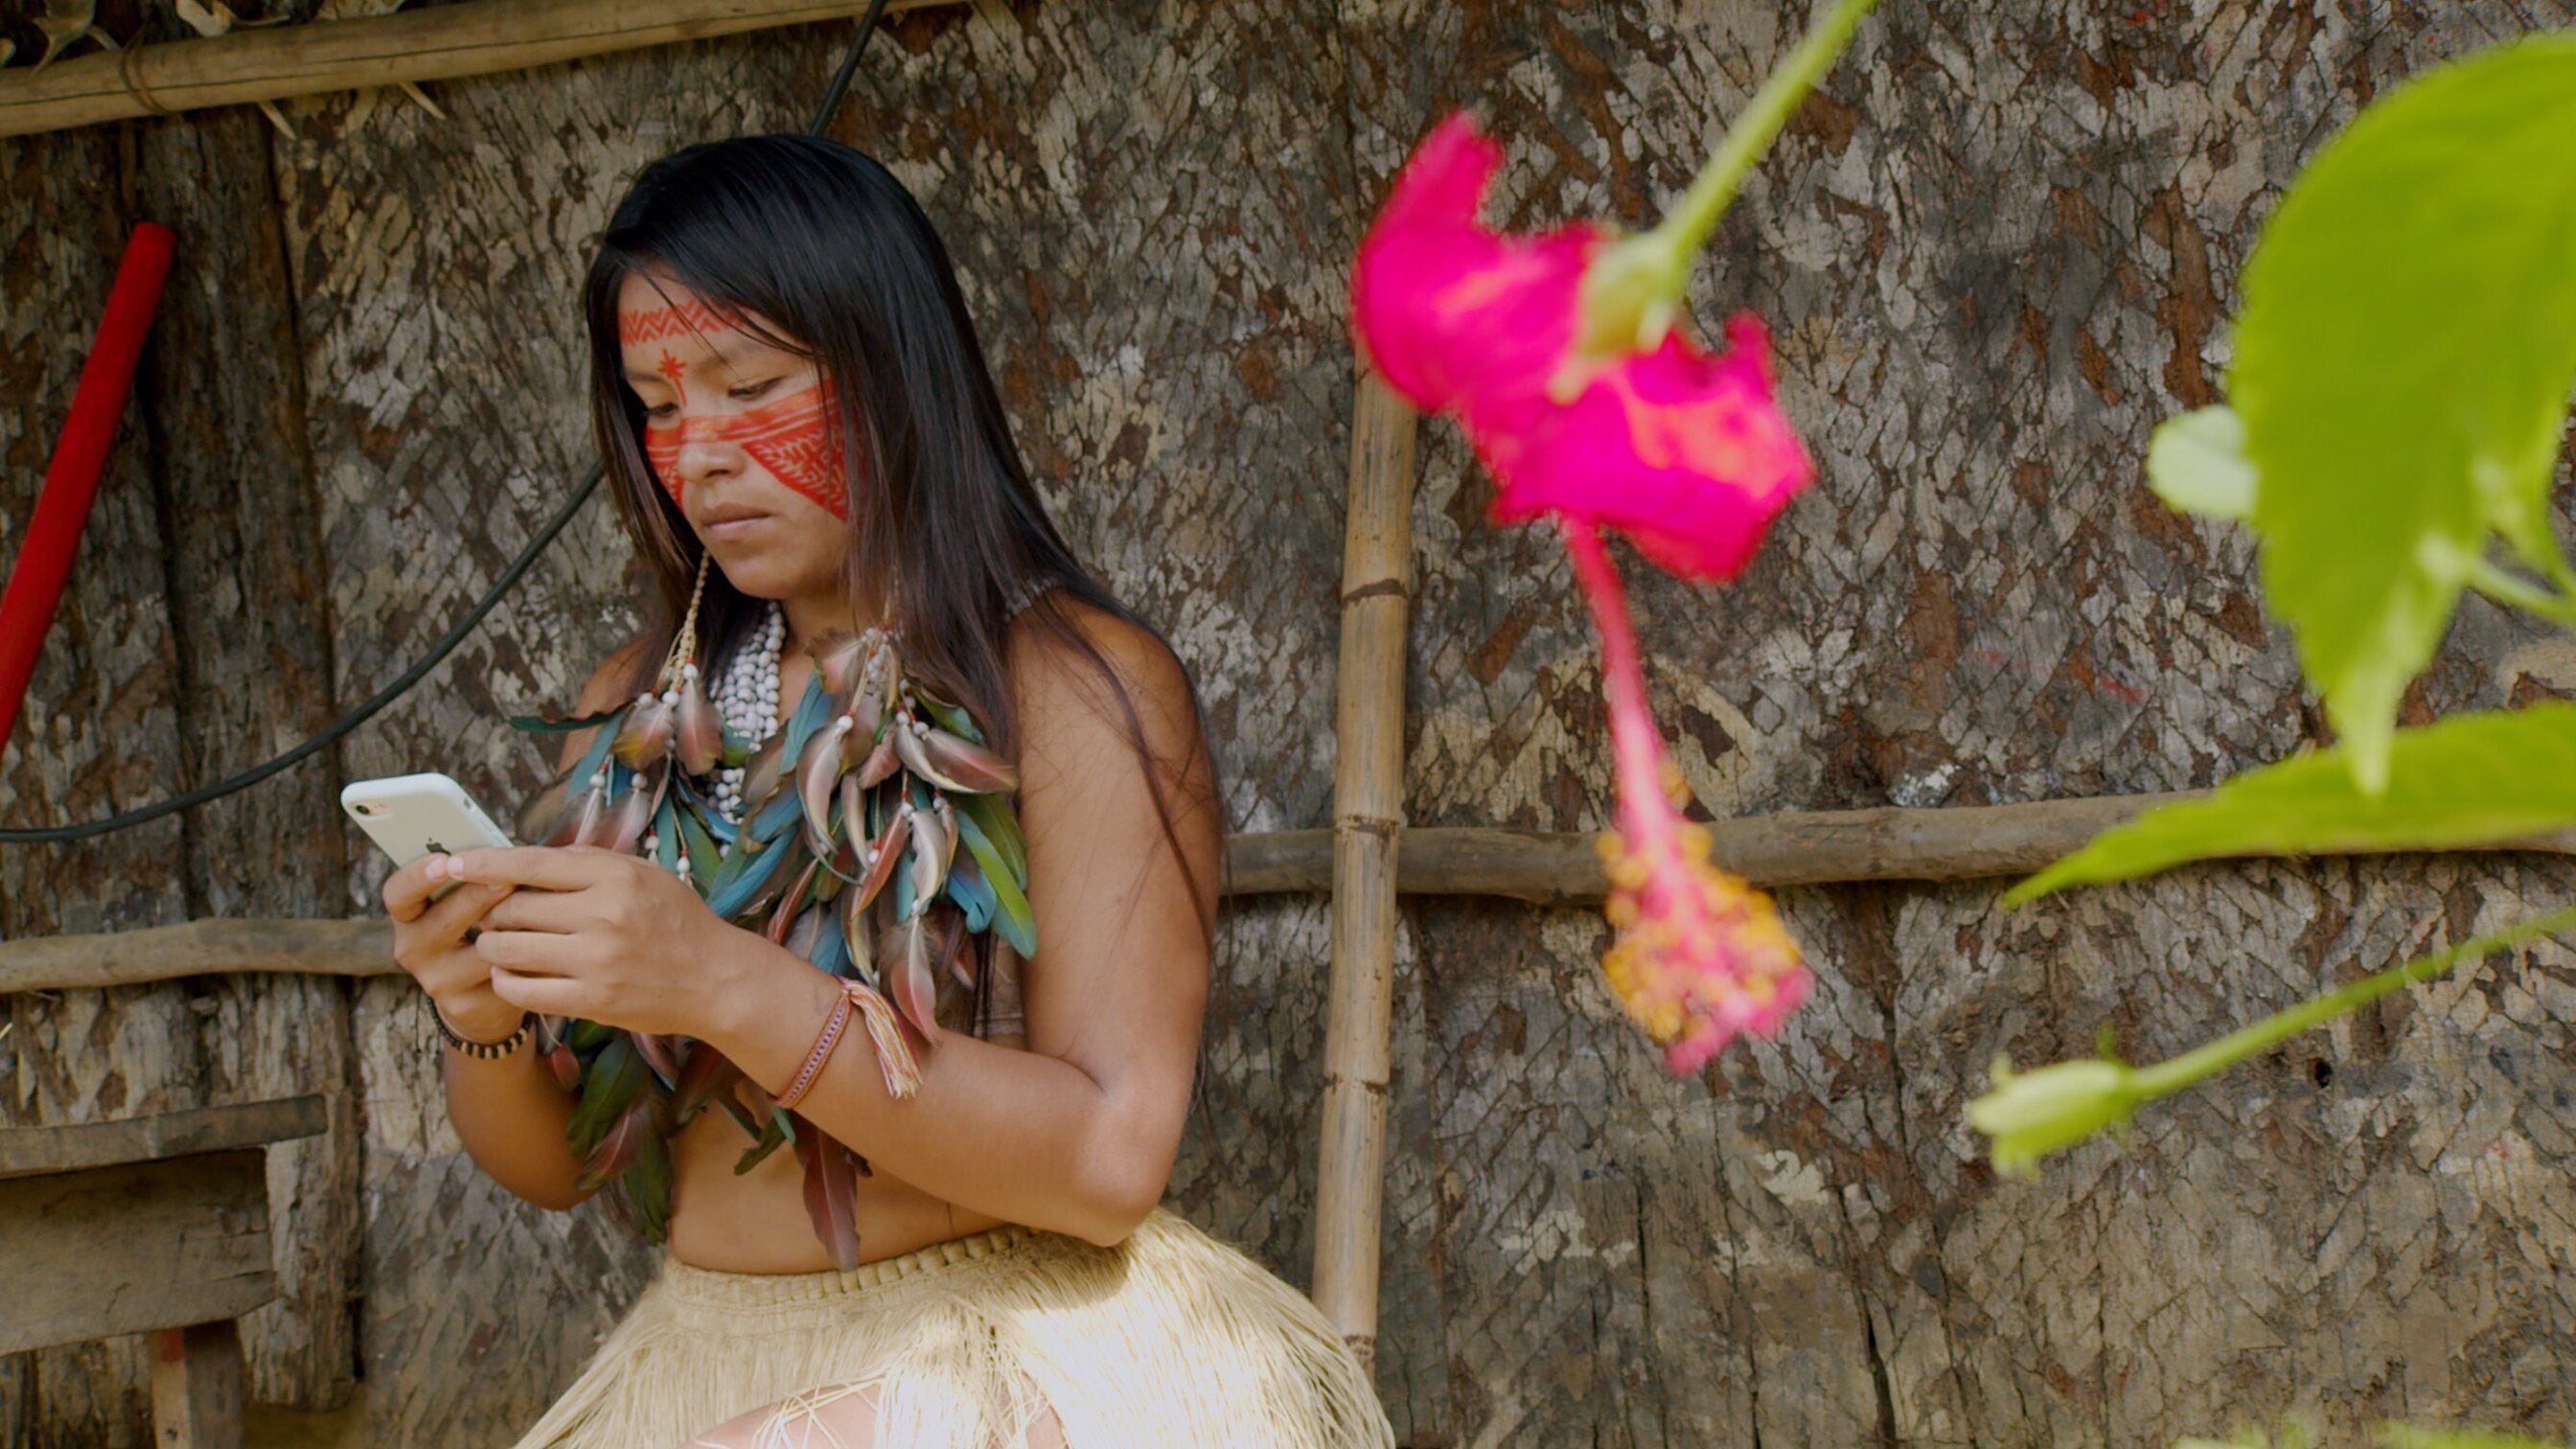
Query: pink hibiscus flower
{"type": "Point", "coordinates": [1685, 453]}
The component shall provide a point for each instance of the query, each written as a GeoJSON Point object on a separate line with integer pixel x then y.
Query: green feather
{"type": "Point", "coordinates": [607, 1089]}
{"type": "Point", "coordinates": [539, 726]}
{"type": "Point", "coordinates": [1016, 922]}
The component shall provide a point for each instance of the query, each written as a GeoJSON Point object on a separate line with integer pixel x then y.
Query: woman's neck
{"type": "Point", "coordinates": [815, 616]}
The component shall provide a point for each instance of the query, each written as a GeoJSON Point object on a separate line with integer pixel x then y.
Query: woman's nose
{"type": "Point", "coordinates": [701, 459]}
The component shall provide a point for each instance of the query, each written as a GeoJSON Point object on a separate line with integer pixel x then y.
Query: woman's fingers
{"type": "Point", "coordinates": [546, 995]}
{"type": "Point", "coordinates": [448, 917]}
{"type": "Point", "coordinates": [546, 867]}
{"type": "Point", "coordinates": [528, 953]}
{"type": "Point", "coordinates": [406, 891]}
{"type": "Point", "coordinates": [533, 910]}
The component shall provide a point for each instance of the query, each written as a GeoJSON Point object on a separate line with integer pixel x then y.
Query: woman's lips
{"type": "Point", "coordinates": [733, 527]}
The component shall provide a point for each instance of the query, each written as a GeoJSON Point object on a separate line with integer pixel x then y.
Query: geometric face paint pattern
{"type": "Point", "coordinates": [792, 437]}
{"type": "Point", "coordinates": [652, 324]}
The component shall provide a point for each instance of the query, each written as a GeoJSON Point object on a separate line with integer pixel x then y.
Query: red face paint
{"type": "Point", "coordinates": [655, 323]}
{"type": "Point", "coordinates": [792, 437]}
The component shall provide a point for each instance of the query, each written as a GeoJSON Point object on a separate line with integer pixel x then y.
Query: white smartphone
{"type": "Point", "coordinates": [415, 815]}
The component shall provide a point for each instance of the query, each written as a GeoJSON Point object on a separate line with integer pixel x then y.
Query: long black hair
{"type": "Point", "coordinates": [822, 242]}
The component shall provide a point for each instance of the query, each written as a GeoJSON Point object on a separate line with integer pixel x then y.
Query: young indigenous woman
{"type": "Point", "coordinates": [966, 1246]}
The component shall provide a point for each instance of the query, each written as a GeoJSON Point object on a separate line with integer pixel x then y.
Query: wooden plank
{"type": "Point", "coordinates": [27, 1151]}
{"type": "Point", "coordinates": [197, 1386]}
{"type": "Point", "coordinates": [357, 947]}
{"type": "Point", "coordinates": [481, 37]}
{"type": "Point", "coordinates": [1559, 868]}
{"type": "Point", "coordinates": [251, 641]}
{"type": "Point", "coordinates": [98, 734]}
{"type": "Point", "coordinates": [425, 490]}
{"type": "Point", "coordinates": [128, 1249]}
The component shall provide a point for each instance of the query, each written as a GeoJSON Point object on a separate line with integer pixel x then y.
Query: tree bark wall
{"type": "Point", "coordinates": [1996, 249]}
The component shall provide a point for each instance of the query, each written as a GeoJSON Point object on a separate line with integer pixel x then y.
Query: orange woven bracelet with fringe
{"type": "Point", "coordinates": [829, 1037]}
{"type": "Point", "coordinates": [895, 1061]}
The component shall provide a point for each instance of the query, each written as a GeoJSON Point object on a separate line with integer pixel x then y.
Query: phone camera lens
{"type": "Point", "coordinates": [366, 807]}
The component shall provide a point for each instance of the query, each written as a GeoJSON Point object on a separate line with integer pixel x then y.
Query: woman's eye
{"type": "Point", "coordinates": [663, 410]}
{"type": "Point", "coordinates": [750, 390]}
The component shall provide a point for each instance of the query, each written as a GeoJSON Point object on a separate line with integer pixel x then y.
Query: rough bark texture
{"type": "Point", "coordinates": [1997, 248]}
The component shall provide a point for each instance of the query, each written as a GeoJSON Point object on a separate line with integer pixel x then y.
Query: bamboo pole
{"type": "Point", "coordinates": [1556, 868]}
{"type": "Point", "coordinates": [1368, 818]}
{"type": "Point", "coordinates": [479, 37]}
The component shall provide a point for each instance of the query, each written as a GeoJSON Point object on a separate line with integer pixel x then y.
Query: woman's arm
{"type": "Point", "coordinates": [509, 1112]}
{"type": "Point", "coordinates": [1078, 1132]}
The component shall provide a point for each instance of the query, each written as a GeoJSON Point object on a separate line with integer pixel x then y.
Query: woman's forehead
{"type": "Point", "coordinates": [655, 312]}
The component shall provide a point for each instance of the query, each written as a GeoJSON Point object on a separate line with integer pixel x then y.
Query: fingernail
{"type": "Point", "coordinates": [439, 865]}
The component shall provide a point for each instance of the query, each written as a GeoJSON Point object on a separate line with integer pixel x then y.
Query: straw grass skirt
{"type": "Point", "coordinates": [1170, 1338]}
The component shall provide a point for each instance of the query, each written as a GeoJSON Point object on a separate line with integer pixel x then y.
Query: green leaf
{"type": "Point", "coordinates": [2468, 779]}
{"type": "Point", "coordinates": [2402, 367]}
{"type": "Point", "coordinates": [2196, 463]}
{"type": "Point", "coordinates": [2405, 1436]}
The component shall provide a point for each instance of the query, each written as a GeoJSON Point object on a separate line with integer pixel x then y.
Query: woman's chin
{"type": "Point", "coordinates": [766, 570]}
{"type": "Point", "coordinates": [756, 569]}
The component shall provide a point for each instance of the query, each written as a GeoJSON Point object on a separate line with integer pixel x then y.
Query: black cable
{"type": "Point", "coordinates": [840, 85]}
{"type": "Point", "coordinates": [52, 834]}
{"type": "Point", "coordinates": [438, 654]}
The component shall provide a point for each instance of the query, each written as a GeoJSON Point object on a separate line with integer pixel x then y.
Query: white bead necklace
{"type": "Point", "coordinates": [746, 699]}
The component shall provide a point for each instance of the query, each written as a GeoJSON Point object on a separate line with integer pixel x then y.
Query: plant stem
{"type": "Point", "coordinates": [2491, 580]}
{"type": "Point", "coordinates": [1696, 216]}
{"type": "Point", "coordinates": [2174, 1074]}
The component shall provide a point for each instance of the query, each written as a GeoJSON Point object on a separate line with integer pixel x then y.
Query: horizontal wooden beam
{"type": "Point", "coordinates": [26, 1151]}
{"type": "Point", "coordinates": [212, 947]}
{"type": "Point", "coordinates": [134, 1248]}
{"type": "Point", "coordinates": [1818, 847]}
{"type": "Point", "coordinates": [479, 37]}
{"type": "Point", "coordinates": [1969, 842]}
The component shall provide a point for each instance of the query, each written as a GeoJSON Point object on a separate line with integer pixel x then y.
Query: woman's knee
{"type": "Point", "coordinates": [839, 1416]}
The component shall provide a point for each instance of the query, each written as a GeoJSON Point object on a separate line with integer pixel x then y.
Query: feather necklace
{"type": "Point", "coordinates": [872, 834]}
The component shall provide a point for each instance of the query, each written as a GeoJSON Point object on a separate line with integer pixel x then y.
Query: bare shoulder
{"type": "Point", "coordinates": [1052, 678]}
{"type": "Point", "coordinates": [1070, 716]}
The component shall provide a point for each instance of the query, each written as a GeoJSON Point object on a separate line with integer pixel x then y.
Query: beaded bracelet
{"type": "Point", "coordinates": [488, 1051]}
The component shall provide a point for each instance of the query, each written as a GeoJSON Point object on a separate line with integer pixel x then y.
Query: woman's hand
{"type": "Point", "coordinates": [429, 942]}
{"type": "Point", "coordinates": [600, 935]}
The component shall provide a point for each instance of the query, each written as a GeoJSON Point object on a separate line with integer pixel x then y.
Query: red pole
{"type": "Point", "coordinates": [71, 480]}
